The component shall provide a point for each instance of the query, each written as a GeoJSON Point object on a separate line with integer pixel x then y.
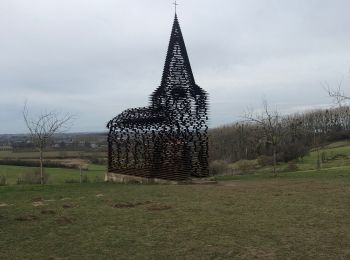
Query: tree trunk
{"type": "Point", "coordinates": [41, 167]}
{"type": "Point", "coordinates": [319, 166]}
{"type": "Point", "coordinates": [81, 175]}
{"type": "Point", "coordinates": [274, 161]}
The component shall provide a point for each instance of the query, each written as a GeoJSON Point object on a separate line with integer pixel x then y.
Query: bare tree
{"type": "Point", "coordinates": [43, 128]}
{"type": "Point", "coordinates": [270, 122]}
{"type": "Point", "coordinates": [337, 93]}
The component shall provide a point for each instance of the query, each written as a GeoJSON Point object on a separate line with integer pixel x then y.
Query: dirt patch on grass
{"type": "Point", "coordinates": [37, 199]}
{"type": "Point", "coordinates": [158, 207]}
{"type": "Point", "coordinates": [48, 212]}
{"type": "Point", "coordinates": [3, 205]}
{"type": "Point", "coordinates": [124, 205]}
{"type": "Point", "coordinates": [143, 203]}
{"type": "Point", "coordinates": [27, 218]}
{"type": "Point", "coordinates": [68, 206]}
{"type": "Point", "coordinates": [64, 221]}
{"type": "Point", "coordinates": [73, 162]}
{"type": "Point", "coordinates": [130, 205]}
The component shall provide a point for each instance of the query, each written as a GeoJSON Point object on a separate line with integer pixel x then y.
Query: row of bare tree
{"type": "Point", "coordinates": [283, 138]}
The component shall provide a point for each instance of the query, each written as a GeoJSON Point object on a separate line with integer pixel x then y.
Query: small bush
{"type": "Point", "coordinates": [246, 166]}
{"type": "Point", "coordinates": [292, 167]}
{"type": "Point", "coordinates": [264, 160]}
{"type": "Point", "coordinates": [32, 177]}
{"type": "Point", "coordinates": [218, 167]}
{"type": "Point", "coordinates": [3, 181]}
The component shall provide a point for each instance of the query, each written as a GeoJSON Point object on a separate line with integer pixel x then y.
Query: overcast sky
{"type": "Point", "coordinates": [95, 58]}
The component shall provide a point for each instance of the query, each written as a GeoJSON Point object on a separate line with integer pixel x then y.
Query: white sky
{"type": "Point", "coordinates": [96, 58]}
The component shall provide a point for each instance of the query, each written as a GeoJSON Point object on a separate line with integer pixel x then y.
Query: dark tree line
{"type": "Point", "coordinates": [287, 137]}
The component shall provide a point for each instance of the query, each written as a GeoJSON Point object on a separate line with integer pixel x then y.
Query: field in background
{"type": "Point", "coordinates": [84, 159]}
{"type": "Point", "coordinates": [51, 154]}
{"type": "Point", "coordinates": [94, 173]}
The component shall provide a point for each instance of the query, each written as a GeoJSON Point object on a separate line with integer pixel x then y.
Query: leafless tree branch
{"type": "Point", "coordinates": [336, 93]}
{"type": "Point", "coordinates": [270, 121]}
{"type": "Point", "coordinates": [43, 128]}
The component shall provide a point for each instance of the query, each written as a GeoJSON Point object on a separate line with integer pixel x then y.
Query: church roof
{"type": "Point", "coordinates": [177, 68]}
{"type": "Point", "coordinates": [177, 83]}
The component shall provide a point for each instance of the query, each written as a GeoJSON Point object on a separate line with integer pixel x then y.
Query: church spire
{"type": "Point", "coordinates": [177, 68]}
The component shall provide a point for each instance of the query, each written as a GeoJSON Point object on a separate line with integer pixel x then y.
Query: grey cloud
{"type": "Point", "coordinates": [96, 58]}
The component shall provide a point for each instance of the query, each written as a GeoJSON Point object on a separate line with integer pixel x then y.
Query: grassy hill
{"type": "Point", "coordinates": [333, 157]}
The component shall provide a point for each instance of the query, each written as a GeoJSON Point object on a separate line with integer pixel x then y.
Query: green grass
{"type": "Point", "coordinates": [266, 174]}
{"type": "Point", "coordinates": [56, 175]}
{"type": "Point", "coordinates": [273, 218]}
{"type": "Point", "coordinates": [296, 215]}
{"type": "Point", "coordinates": [337, 155]}
{"type": "Point", "coordinates": [330, 151]}
{"type": "Point", "coordinates": [50, 154]}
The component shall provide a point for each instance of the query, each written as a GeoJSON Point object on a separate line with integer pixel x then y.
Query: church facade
{"type": "Point", "coordinates": [169, 138]}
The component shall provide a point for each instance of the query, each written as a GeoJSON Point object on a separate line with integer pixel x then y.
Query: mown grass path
{"type": "Point", "coordinates": [254, 218]}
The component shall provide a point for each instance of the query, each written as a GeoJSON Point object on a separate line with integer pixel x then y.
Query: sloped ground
{"type": "Point", "coordinates": [333, 156]}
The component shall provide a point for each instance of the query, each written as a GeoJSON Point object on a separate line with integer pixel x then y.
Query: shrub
{"type": "Point", "coordinates": [3, 181]}
{"type": "Point", "coordinates": [264, 160]}
{"type": "Point", "coordinates": [246, 166]}
{"type": "Point", "coordinates": [32, 177]}
{"type": "Point", "coordinates": [292, 167]}
{"type": "Point", "coordinates": [217, 167]}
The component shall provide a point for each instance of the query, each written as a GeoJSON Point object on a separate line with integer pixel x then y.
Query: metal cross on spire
{"type": "Point", "coordinates": [175, 4]}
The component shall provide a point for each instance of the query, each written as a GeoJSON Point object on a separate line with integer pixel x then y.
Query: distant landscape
{"type": "Point", "coordinates": [312, 140]}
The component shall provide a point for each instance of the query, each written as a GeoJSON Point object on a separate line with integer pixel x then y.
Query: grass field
{"type": "Point", "coordinates": [272, 218]}
{"type": "Point", "coordinates": [56, 175]}
{"type": "Point", "coordinates": [50, 154]}
{"type": "Point", "coordinates": [297, 215]}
